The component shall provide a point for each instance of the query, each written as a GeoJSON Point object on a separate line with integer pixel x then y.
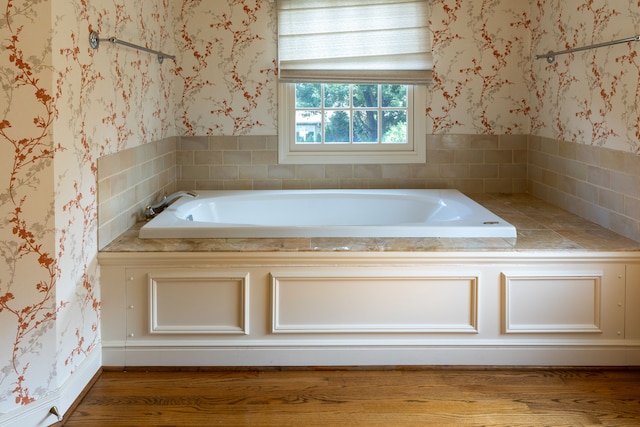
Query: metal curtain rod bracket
{"type": "Point", "coordinates": [94, 41]}
{"type": "Point", "coordinates": [551, 56]}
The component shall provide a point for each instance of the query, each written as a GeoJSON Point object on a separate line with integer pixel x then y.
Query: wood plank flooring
{"type": "Point", "coordinates": [362, 397]}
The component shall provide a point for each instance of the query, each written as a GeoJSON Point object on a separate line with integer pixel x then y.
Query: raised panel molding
{"type": "Point", "coordinates": [369, 301]}
{"type": "Point", "coordinates": [199, 303]}
{"type": "Point", "coordinates": [552, 302]}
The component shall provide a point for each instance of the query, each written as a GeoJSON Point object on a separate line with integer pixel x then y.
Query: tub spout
{"type": "Point", "coordinates": [152, 210]}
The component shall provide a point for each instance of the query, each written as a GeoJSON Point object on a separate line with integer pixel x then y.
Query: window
{"type": "Point", "coordinates": [350, 92]}
{"type": "Point", "coordinates": [351, 123]}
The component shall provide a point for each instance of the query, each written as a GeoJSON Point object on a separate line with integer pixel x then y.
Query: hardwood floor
{"type": "Point", "coordinates": [361, 397]}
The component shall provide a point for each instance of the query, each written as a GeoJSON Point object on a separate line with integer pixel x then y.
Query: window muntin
{"type": "Point", "coordinates": [351, 113]}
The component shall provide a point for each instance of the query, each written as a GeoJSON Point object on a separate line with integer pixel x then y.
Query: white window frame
{"type": "Point", "coordinates": [415, 151]}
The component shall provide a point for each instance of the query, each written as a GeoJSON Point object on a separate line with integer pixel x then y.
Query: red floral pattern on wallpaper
{"type": "Point", "coordinates": [97, 103]}
{"type": "Point", "coordinates": [478, 78]}
{"type": "Point", "coordinates": [28, 246]}
{"type": "Point", "coordinates": [233, 85]}
{"type": "Point", "coordinates": [589, 97]}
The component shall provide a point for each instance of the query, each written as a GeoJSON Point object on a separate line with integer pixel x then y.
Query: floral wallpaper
{"type": "Point", "coordinates": [63, 105]}
{"type": "Point", "coordinates": [481, 55]}
{"type": "Point", "coordinates": [590, 97]}
{"type": "Point", "coordinates": [28, 271]}
{"type": "Point", "coordinates": [227, 75]}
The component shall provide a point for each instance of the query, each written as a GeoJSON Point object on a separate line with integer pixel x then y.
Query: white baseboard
{"type": "Point", "coordinates": [38, 413]}
{"type": "Point", "coordinates": [500, 355]}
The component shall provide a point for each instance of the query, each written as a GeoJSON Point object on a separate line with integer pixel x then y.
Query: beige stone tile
{"type": "Point", "coordinates": [512, 171]}
{"type": "Point", "coordinates": [236, 157]}
{"type": "Point", "coordinates": [498, 156]}
{"type": "Point", "coordinates": [204, 184]}
{"type": "Point", "coordinates": [567, 150]}
{"type": "Point", "coordinates": [550, 146]}
{"type": "Point", "coordinates": [238, 184]}
{"type": "Point", "coordinates": [472, 156]}
{"type": "Point", "coordinates": [324, 183]}
{"type": "Point", "coordinates": [435, 156]}
{"type": "Point", "coordinates": [195, 172]}
{"type": "Point", "coordinates": [185, 157]}
{"type": "Point", "coordinates": [454, 171]}
{"type": "Point", "coordinates": [395, 172]}
{"type": "Point", "coordinates": [520, 157]}
{"type": "Point", "coordinates": [223, 172]}
{"type": "Point", "coordinates": [599, 176]}
{"type": "Point", "coordinates": [632, 207]}
{"type": "Point", "coordinates": [498, 185]}
{"type": "Point", "coordinates": [308, 172]}
{"type": "Point", "coordinates": [269, 184]}
{"type": "Point", "coordinates": [282, 172]}
{"type": "Point", "coordinates": [338, 172]}
{"type": "Point", "coordinates": [266, 157]}
{"type": "Point", "coordinates": [195, 143]}
{"type": "Point", "coordinates": [424, 171]}
{"type": "Point", "coordinates": [248, 143]}
{"type": "Point", "coordinates": [626, 184]}
{"type": "Point", "coordinates": [483, 171]}
{"type": "Point", "coordinates": [470, 186]}
{"type": "Point", "coordinates": [513, 142]}
{"type": "Point", "coordinates": [296, 184]}
{"type": "Point", "coordinates": [612, 159]}
{"type": "Point", "coordinates": [588, 154]}
{"type": "Point", "coordinates": [212, 157]}
{"type": "Point", "coordinates": [223, 143]}
{"type": "Point", "coordinates": [253, 172]}
{"type": "Point", "coordinates": [367, 171]}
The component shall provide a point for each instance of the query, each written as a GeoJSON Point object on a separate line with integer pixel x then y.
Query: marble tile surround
{"type": "Point", "coordinates": [598, 184]}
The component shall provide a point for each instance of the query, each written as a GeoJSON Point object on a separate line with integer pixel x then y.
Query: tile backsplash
{"type": "Point", "coordinates": [128, 181]}
{"type": "Point", "coordinates": [599, 184]}
{"type": "Point", "coordinates": [470, 163]}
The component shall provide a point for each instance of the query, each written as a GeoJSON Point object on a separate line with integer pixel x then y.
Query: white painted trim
{"type": "Point", "coordinates": [512, 279]}
{"type": "Point", "coordinates": [283, 280]}
{"type": "Point", "coordinates": [37, 414]}
{"type": "Point", "coordinates": [242, 279]}
{"type": "Point", "coordinates": [477, 355]}
{"type": "Point", "coordinates": [316, 258]}
{"type": "Point", "coordinates": [413, 152]}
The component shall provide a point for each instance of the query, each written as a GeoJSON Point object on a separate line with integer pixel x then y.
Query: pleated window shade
{"type": "Point", "coordinates": [356, 41]}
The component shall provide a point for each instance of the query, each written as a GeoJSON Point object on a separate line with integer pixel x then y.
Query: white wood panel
{"type": "Point", "coordinates": [632, 312]}
{"type": "Point", "coordinates": [199, 303]}
{"type": "Point", "coordinates": [370, 301]}
{"type": "Point", "coordinates": [552, 302]}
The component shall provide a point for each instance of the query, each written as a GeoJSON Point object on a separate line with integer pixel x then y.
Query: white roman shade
{"type": "Point", "coordinates": [377, 41]}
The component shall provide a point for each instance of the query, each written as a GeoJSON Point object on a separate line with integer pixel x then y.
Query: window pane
{"type": "Point", "coordinates": [394, 96]}
{"type": "Point", "coordinates": [336, 96]}
{"type": "Point", "coordinates": [336, 127]}
{"type": "Point", "coordinates": [308, 95]}
{"type": "Point", "coordinates": [365, 96]}
{"type": "Point", "coordinates": [394, 126]}
{"type": "Point", "coordinates": [365, 126]}
{"type": "Point", "coordinates": [308, 127]}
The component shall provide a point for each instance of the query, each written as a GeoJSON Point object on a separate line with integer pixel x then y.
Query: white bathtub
{"type": "Point", "coordinates": [327, 213]}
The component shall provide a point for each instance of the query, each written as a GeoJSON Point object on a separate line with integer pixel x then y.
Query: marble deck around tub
{"type": "Point", "coordinates": [540, 225]}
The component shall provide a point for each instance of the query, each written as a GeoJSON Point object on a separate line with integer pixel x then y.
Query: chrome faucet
{"type": "Point", "coordinates": [152, 210]}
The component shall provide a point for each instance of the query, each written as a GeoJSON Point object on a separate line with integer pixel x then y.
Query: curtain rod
{"type": "Point", "coordinates": [94, 41]}
{"type": "Point", "coordinates": [551, 56]}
